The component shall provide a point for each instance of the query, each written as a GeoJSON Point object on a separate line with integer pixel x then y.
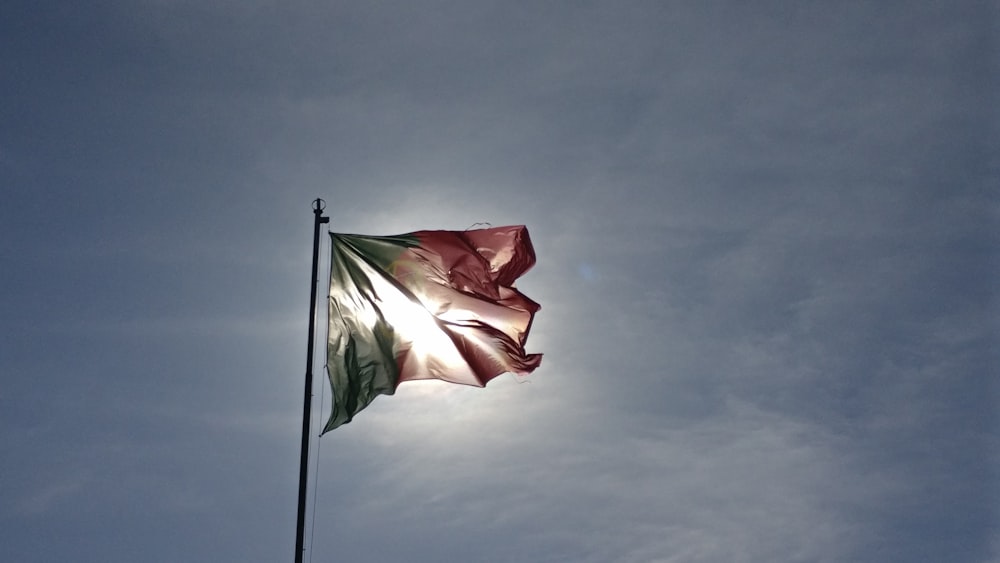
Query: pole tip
{"type": "Point", "coordinates": [319, 204]}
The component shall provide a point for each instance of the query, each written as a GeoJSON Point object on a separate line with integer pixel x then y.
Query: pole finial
{"type": "Point", "coordinates": [319, 204]}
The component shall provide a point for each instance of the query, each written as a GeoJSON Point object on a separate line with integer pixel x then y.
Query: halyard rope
{"type": "Point", "coordinates": [319, 443]}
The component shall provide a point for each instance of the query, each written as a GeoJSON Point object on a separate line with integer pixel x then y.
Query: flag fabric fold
{"type": "Point", "coordinates": [425, 305]}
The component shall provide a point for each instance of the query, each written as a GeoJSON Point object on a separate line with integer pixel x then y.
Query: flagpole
{"type": "Point", "coordinates": [318, 206]}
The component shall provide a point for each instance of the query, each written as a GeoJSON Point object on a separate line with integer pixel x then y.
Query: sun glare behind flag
{"type": "Point", "coordinates": [425, 305]}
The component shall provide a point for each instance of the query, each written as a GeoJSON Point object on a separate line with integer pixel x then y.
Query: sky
{"type": "Point", "coordinates": [767, 240]}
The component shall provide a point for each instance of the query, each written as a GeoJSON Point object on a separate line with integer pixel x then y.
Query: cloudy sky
{"type": "Point", "coordinates": [767, 247]}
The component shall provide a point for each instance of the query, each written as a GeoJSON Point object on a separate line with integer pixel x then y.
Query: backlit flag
{"type": "Point", "coordinates": [425, 305]}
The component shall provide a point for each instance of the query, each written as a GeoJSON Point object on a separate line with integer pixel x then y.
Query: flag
{"type": "Point", "coordinates": [425, 305]}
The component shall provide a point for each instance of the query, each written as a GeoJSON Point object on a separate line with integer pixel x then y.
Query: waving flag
{"type": "Point", "coordinates": [425, 305]}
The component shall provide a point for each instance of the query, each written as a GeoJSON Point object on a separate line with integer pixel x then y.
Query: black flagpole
{"type": "Point", "coordinates": [300, 527]}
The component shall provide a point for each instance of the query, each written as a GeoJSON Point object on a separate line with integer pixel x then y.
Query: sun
{"type": "Point", "coordinates": [418, 333]}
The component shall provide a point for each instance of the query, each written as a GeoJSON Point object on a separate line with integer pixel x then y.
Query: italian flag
{"type": "Point", "coordinates": [425, 305]}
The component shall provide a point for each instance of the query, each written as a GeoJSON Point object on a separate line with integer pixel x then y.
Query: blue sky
{"type": "Point", "coordinates": [767, 250]}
